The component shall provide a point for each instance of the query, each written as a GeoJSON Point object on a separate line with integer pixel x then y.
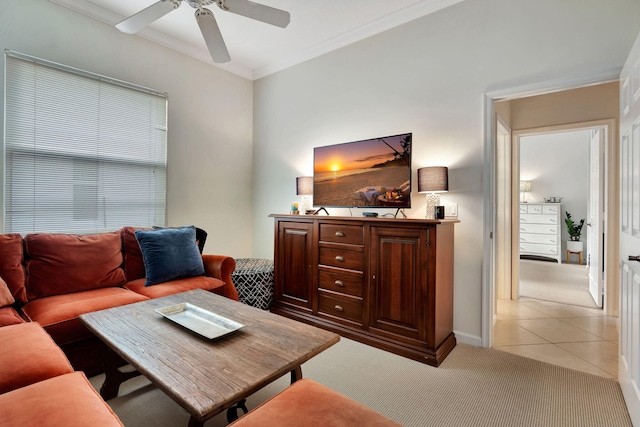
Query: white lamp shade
{"type": "Point", "coordinates": [525, 186]}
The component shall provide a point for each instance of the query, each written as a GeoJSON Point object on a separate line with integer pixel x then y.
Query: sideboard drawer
{"type": "Point", "coordinates": [538, 219]}
{"type": "Point", "coordinates": [339, 307]}
{"type": "Point", "coordinates": [535, 248]}
{"type": "Point", "coordinates": [337, 282]}
{"type": "Point", "coordinates": [534, 209]}
{"type": "Point", "coordinates": [336, 233]}
{"type": "Point", "coordinates": [351, 260]}
{"type": "Point", "coordinates": [550, 209]}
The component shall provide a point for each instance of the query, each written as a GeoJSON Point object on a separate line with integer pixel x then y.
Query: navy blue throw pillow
{"type": "Point", "coordinates": [169, 253]}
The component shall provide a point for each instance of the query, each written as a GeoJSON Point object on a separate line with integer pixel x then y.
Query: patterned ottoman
{"type": "Point", "coordinates": [253, 278]}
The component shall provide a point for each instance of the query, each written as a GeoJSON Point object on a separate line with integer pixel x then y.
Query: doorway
{"type": "Point", "coordinates": [558, 332]}
{"type": "Point", "coordinates": [608, 209]}
{"type": "Point", "coordinates": [556, 258]}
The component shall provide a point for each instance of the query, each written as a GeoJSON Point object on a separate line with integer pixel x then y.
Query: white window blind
{"type": "Point", "coordinates": [83, 153]}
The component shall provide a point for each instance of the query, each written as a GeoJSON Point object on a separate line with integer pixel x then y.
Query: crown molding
{"type": "Point", "coordinates": [410, 13]}
{"type": "Point", "coordinates": [390, 21]}
{"type": "Point", "coordinates": [555, 85]}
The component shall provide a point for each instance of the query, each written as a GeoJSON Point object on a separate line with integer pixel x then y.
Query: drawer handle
{"type": "Point", "coordinates": [339, 234]}
{"type": "Point", "coordinates": [339, 308]}
{"type": "Point", "coordinates": [552, 230]}
{"type": "Point", "coordinates": [553, 220]}
{"type": "Point", "coordinates": [523, 220]}
{"type": "Point", "coordinates": [339, 258]}
{"type": "Point", "coordinates": [339, 283]}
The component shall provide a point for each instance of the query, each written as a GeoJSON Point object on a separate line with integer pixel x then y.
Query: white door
{"type": "Point", "coordinates": [629, 349]}
{"type": "Point", "coordinates": [595, 239]}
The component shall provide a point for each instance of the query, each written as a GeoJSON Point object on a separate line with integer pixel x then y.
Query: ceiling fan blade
{"type": "Point", "coordinates": [259, 12]}
{"type": "Point", "coordinates": [136, 22]}
{"type": "Point", "coordinates": [212, 36]}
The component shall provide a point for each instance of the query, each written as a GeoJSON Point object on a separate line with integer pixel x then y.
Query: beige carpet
{"type": "Point", "coordinates": [473, 387]}
{"type": "Point", "coordinates": [549, 281]}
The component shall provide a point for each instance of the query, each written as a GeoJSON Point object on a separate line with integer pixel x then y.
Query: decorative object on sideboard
{"type": "Point", "coordinates": [525, 187]}
{"type": "Point", "coordinates": [304, 188]}
{"type": "Point", "coordinates": [553, 200]}
{"type": "Point", "coordinates": [433, 180]}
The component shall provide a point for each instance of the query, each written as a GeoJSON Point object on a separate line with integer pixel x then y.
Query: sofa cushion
{"type": "Point", "coordinates": [64, 263]}
{"type": "Point", "coordinates": [307, 403]}
{"type": "Point", "coordinates": [59, 314]}
{"type": "Point", "coordinates": [6, 299]}
{"type": "Point", "coordinates": [133, 263]}
{"type": "Point", "coordinates": [9, 316]}
{"type": "Point", "coordinates": [67, 400]}
{"type": "Point", "coordinates": [169, 253]}
{"type": "Point", "coordinates": [11, 265]}
{"type": "Point", "coordinates": [28, 355]}
{"type": "Point", "coordinates": [176, 286]}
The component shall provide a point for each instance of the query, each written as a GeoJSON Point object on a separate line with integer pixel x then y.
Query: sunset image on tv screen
{"type": "Point", "coordinates": [372, 172]}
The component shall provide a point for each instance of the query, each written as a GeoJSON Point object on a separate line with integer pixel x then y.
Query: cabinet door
{"type": "Point", "coordinates": [399, 279]}
{"type": "Point", "coordinates": [294, 250]}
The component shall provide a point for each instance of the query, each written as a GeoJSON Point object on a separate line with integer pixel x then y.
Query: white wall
{"type": "Point", "coordinates": [428, 77]}
{"type": "Point", "coordinates": [558, 165]}
{"type": "Point", "coordinates": [210, 112]}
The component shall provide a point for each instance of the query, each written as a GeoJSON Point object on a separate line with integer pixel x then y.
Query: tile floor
{"type": "Point", "coordinates": [566, 335]}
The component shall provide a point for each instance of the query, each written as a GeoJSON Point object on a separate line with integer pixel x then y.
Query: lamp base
{"type": "Point", "coordinates": [433, 200]}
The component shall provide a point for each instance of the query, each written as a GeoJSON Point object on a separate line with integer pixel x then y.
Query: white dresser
{"type": "Point", "coordinates": [540, 230]}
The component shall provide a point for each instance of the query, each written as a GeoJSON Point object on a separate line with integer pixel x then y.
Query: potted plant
{"type": "Point", "coordinates": [575, 231]}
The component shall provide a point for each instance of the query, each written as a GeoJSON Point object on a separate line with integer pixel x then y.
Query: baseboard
{"type": "Point", "coordinates": [463, 338]}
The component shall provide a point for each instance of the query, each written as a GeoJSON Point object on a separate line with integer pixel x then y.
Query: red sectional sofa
{"type": "Point", "coordinates": [54, 278]}
{"type": "Point", "coordinates": [33, 372]}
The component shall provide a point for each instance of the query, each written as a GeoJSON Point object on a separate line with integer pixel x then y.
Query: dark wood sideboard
{"type": "Point", "coordinates": [382, 281]}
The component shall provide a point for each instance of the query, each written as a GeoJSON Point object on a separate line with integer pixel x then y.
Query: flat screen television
{"type": "Point", "coordinates": [369, 173]}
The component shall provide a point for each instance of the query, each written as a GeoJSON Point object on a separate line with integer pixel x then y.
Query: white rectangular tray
{"type": "Point", "coordinates": [199, 320]}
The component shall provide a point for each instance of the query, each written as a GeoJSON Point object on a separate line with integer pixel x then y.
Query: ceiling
{"type": "Point", "coordinates": [258, 49]}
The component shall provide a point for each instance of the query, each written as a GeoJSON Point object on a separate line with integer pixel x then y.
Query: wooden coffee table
{"type": "Point", "coordinates": [205, 377]}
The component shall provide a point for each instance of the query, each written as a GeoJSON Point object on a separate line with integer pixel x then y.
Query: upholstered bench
{"type": "Point", "coordinates": [28, 355]}
{"type": "Point", "coordinates": [253, 278]}
{"type": "Point", "coordinates": [309, 404]}
{"type": "Point", "coordinates": [67, 400]}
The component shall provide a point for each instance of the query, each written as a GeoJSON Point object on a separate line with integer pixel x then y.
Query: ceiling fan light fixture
{"type": "Point", "coordinates": [206, 20]}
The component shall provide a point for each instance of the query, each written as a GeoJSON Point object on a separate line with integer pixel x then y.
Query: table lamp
{"type": "Point", "coordinates": [433, 180]}
{"type": "Point", "coordinates": [304, 188]}
{"type": "Point", "coordinates": [525, 187]}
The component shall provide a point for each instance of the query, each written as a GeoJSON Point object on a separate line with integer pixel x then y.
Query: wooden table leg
{"type": "Point", "coordinates": [296, 374]}
{"type": "Point", "coordinates": [232, 412]}
{"type": "Point", "coordinates": [113, 376]}
{"type": "Point", "coordinates": [193, 422]}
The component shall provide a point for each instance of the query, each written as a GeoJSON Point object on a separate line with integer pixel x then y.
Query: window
{"type": "Point", "coordinates": [83, 153]}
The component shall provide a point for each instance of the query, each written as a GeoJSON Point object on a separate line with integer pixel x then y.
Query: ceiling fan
{"type": "Point", "coordinates": [206, 20]}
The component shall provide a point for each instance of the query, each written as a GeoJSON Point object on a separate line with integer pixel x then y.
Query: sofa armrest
{"type": "Point", "coordinates": [221, 267]}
